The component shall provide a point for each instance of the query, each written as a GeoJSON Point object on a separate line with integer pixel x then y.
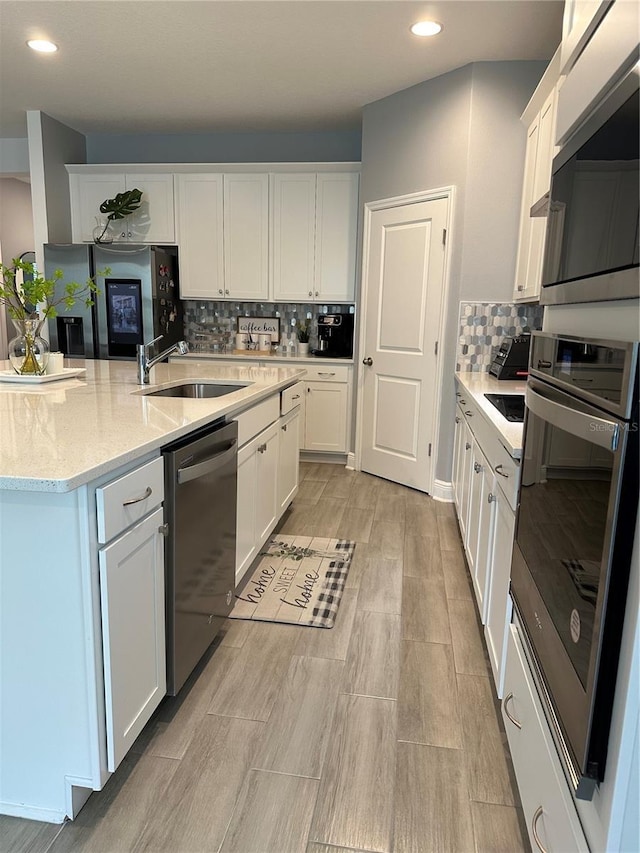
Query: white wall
{"type": "Point", "coordinates": [464, 129]}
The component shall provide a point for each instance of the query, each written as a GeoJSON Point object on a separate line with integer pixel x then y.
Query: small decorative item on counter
{"type": "Point", "coordinates": [241, 340]}
{"type": "Point", "coordinates": [122, 205]}
{"type": "Point", "coordinates": [55, 363]}
{"type": "Point", "coordinates": [31, 300]}
{"type": "Point", "coordinates": [303, 338]}
{"type": "Point", "coordinates": [264, 342]}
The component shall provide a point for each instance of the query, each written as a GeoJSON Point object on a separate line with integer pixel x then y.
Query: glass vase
{"type": "Point", "coordinates": [28, 352]}
{"type": "Point", "coordinates": [101, 233]}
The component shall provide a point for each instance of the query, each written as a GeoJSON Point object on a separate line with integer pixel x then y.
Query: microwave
{"type": "Point", "coordinates": [591, 250]}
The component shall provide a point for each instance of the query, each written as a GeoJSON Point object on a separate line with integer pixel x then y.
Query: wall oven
{"type": "Point", "coordinates": [591, 250]}
{"type": "Point", "coordinates": [576, 518]}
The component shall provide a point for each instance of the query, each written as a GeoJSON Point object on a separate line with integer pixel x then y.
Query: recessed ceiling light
{"type": "Point", "coordinates": [426, 28]}
{"type": "Point", "coordinates": [42, 46]}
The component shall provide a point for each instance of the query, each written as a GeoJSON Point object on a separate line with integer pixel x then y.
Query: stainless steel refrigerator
{"type": "Point", "coordinates": [138, 299]}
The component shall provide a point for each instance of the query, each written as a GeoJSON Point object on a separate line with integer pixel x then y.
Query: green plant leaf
{"type": "Point", "coordinates": [124, 204]}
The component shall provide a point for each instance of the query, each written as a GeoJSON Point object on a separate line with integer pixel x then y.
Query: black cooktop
{"type": "Point", "coordinates": [510, 406]}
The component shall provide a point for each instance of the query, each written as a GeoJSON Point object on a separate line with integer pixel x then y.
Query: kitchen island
{"type": "Point", "coordinates": [67, 448]}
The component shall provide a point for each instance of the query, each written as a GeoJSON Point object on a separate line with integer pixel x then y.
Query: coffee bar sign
{"type": "Point", "coordinates": [255, 326]}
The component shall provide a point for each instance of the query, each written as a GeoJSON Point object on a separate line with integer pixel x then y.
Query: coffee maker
{"type": "Point", "coordinates": [335, 336]}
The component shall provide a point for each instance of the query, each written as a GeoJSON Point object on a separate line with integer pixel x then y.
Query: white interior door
{"type": "Point", "coordinates": [404, 287]}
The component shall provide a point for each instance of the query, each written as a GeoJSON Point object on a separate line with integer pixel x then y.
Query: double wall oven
{"type": "Point", "coordinates": [574, 536]}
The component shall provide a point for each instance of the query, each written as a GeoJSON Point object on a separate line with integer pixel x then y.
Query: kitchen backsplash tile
{"type": "Point", "coordinates": [211, 326]}
{"type": "Point", "coordinates": [484, 325]}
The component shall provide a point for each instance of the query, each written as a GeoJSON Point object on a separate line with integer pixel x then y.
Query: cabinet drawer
{"type": "Point", "coordinates": [129, 498]}
{"type": "Point", "coordinates": [255, 419]}
{"type": "Point", "coordinates": [327, 373]}
{"type": "Point", "coordinates": [547, 803]}
{"type": "Point", "coordinates": [507, 470]}
{"type": "Point", "coordinates": [291, 397]}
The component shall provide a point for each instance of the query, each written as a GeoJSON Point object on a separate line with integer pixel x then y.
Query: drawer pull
{"type": "Point", "coordinates": [509, 716]}
{"type": "Point", "coordinates": [499, 471]}
{"type": "Point", "coordinates": [326, 373]}
{"type": "Point", "coordinates": [477, 467]}
{"type": "Point", "coordinates": [543, 364]}
{"type": "Point", "coordinates": [457, 420]}
{"type": "Point", "coordinates": [147, 494]}
{"type": "Point", "coordinates": [464, 402]}
{"type": "Point", "coordinates": [262, 448]}
{"type": "Point", "coordinates": [296, 397]}
{"type": "Point", "coordinates": [458, 394]}
{"type": "Point", "coordinates": [284, 428]}
{"type": "Point", "coordinates": [534, 829]}
{"type": "Point", "coordinates": [467, 446]}
{"type": "Point", "coordinates": [469, 414]}
{"type": "Point", "coordinates": [491, 498]}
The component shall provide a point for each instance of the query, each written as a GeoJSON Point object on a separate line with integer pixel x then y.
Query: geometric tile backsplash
{"type": "Point", "coordinates": [484, 325]}
{"type": "Point", "coordinates": [211, 326]}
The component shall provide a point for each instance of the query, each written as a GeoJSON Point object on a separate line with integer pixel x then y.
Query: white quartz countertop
{"type": "Point", "coordinates": [479, 384]}
{"type": "Point", "coordinates": [59, 435]}
{"type": "Point", "coordinates": [256, 355]}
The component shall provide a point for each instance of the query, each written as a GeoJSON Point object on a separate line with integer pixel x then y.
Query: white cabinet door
{"type": "Point", "coordinates": [457, 461]}
{"type": "Point", "coordinates": [288, 459]}
{"type": "Point", "coordinates": [246, 237]}
{"type": "Point", "coordinates": [498, 599]}
{"type": "Point", "coordinates": [524, 236]}
{"type": "Point", "coordinates": [478, 530]}
{"type": "Point", "coordinates": [293, 236]}
{"type": "Point", "coordinates": [246, 508]}
{"type": "Point", "coordinates": [326, 416]}
{"type": "Point", "coordinates": [548, 806]}
{"type": "Point", "coordinates": [133, 640]}
{"type": "Point", "coordinates": [87, 194]}
{"type": "Point", "coordinates": [154, 221]}
{"type": "Point", "coordinates": [484, 553]}
{"type": "Point", "coordinates": [266, 482]}
{"type": "Point", "coordinates": [465, 479]}
{"type": "Point", "coordinates": [336, 226]}
{"type": "Point", "coordinates": [200, 235]}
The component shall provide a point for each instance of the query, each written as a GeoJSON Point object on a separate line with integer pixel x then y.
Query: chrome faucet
{"type": "Point", "coordinates": [145, 363]}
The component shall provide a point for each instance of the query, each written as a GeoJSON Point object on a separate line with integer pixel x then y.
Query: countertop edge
{"type": "Point", "coordinates": [476, 385]}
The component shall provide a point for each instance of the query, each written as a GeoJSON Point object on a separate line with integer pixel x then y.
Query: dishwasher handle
{"type": "Point", "coordinates": [208, 466]}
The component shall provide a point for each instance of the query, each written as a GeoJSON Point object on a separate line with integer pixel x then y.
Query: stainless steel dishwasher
{"type": "Point", "coordinates": [200, 510]}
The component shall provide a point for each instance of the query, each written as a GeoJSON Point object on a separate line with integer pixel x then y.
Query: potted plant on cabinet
{"type": "Point", "coordinates": [303, 337]}
{"type": "Point", "coordinates": [31, 300]}
{"type": "Point", "coordinates": [122, 205]}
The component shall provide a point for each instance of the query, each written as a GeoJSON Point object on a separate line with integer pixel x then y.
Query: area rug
{"type": "Point", "coordinates": [299, 580]}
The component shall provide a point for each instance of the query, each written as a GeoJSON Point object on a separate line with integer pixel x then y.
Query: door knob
{"type": "Point", "coordinates": [367, 361]}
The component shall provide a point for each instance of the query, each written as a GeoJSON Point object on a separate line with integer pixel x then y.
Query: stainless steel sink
{"type": "Point", "coordinates": [196, 390]}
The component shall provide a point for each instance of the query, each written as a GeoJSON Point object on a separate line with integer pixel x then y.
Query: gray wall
{"type": "Point", "coordinates": [224, 147]}
{"type": "Point", "coordinates": [16, 229]}
{"type": "Point", "coordinates": [460, 129]}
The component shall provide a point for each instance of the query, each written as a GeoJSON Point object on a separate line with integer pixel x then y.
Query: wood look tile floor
{"type": "Point", "coordinates": [381, 734]}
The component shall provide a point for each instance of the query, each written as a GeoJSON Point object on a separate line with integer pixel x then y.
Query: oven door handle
{"type": "Point", "coordinates": [593, 429]}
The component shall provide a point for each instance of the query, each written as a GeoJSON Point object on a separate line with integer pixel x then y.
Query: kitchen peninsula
{"type": "Point", "coordinates": [67, 448]}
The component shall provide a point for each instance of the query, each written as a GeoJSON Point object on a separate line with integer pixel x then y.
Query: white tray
{"type": "Point", "coordinates": [67, 373]}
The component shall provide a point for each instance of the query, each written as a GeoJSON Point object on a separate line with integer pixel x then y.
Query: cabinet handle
{"type": "Point", "coordinates": [520, 288]}
{"type": "Point", "coordinates": [458, 394]}
{"type": "Point", "coordinates": [262, 448]}
{"type": "Point", "coordinates": [296, 397]}
{"type": "Point", "coordinates": [477, 467]}
{"type": "Point", "coordinates": [534, 829]}
{"type": "Point", "coordinates": [506, 711]}
{"type": "Point", "coordinates": [164, 529]}
{"type": "Point", "coordinates": [317, 293]}
{"type": "Point", "coordinates": [491, 498]}
{"type": "Point", "coordinates": [221, 292]}
{"type": "Point", "coordinates": [147, 494]}
{"type": "Point", "coordinates": [469, 414]}
{"type": "Point", "coordinates": [464, 402]}
{"type": "Point", "coordinates": [499, 471]}
{"type": "Point", "coordinates": [467, 446]}
{"type": "Point", "coordinates": [229, 596]}
{"type": "Point", "coordinates": [284, 428]}
{"type": "Point", "coordinates": [326, 373]}
{"type": "Point", "coordinates": [543, 364]}
{"type": "Point", "coordinates": [310, 293]}
{"type": "Point", "coordinates": [227, 292]}
{"type": "Point", "coordinates": [457, 420]}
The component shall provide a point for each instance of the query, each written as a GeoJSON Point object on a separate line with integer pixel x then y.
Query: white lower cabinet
{"type": "Point", "coordinates": [498, 600]}
{"type": "Point", "coordinates": [268, 475]}
{"type": "Point", "coordinates": [550, 814]}
{"type": "Point", "coordinates": [288, 459]}
{"type": "Point", "coordinates": [133, 638]}
{"type": "Point", "coordinates": [326, 417]}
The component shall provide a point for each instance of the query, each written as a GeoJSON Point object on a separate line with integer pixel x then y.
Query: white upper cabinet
{"type": "Point", "coordinates": [540, 117]}
{"type": "Point", "coordinates": [336, 223]}
{"type": "Point", "coordinates": [153, 222]}
{"type": "Point", "coordinates": [246, 237]}
{"type": "Point", "coordinates": [199, 202]}
{"type": "Point", "coordinates": [580, 19]}
{"type": "Point", "coordinates": [315, 218]}
{"type": "Point", "coordinates": [294, 228]}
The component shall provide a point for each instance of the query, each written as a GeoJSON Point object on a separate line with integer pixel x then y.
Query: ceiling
{"type": "Point", "coordinates": [179, 66]}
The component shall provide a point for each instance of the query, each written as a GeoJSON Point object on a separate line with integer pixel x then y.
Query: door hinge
{"type": "Point", "coordinates": [435, 349]}
{"type": "Point", "coordinates": [164, 529]}
{"type": "Point", "coordinates": [444, 236]}
{"type": "Point", "coordinates": [429, 448]}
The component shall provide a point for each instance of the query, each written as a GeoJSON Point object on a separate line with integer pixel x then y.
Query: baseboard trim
{"type": "Point", "coordinates": [32, 813]}
{"type": "Point", "coordinates": [442, 491]}
{"type": "Point", "coordinates": [315, 456]}
{"type": "Point", "coordinates": [351, 461]}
